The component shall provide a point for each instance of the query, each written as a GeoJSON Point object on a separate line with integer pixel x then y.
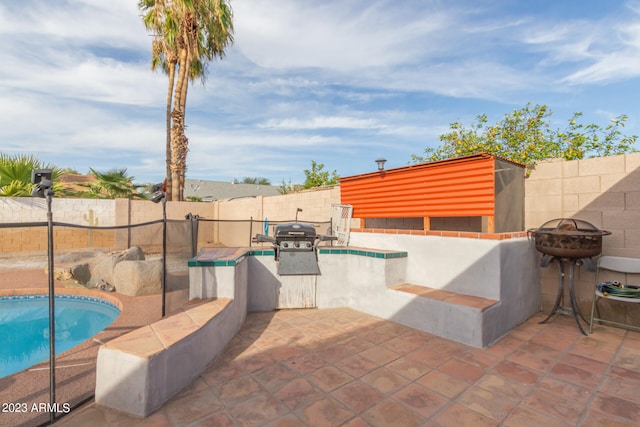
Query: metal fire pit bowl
{"type": "Point", "coordinates": [568, 238]}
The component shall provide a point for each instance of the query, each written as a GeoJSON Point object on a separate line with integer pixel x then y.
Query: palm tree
{"type": "Point", "coordinates": [187, 34]}
{"type": "Point", "coordinates": [114, 183]}
{"type": "Point", "coordinates": [15, 175]}
{"type": "Point", "coordinates": [162, 20]}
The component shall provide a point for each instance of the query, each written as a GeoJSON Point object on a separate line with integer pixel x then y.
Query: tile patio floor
{"type": "Point", "coordinates": [339, 367]}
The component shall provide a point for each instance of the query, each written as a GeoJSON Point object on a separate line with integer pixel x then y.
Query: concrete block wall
{"type": "Point", "coordinates": [138, 211]}
{"type": "Point", "coordinates": [33, 240]}
{"type": "Point", "coordinates": [72, 211]}
{"type": "Point", "coordinates": [28, 240]}
{"type": "Point", "coordinates": [231, 233]}
{"type": "Point", "coordinates": [603, 191]}
{"type": "Point", "coordinates": [141, 211]}
{"type": "Point", "coordinates": [315, 205]}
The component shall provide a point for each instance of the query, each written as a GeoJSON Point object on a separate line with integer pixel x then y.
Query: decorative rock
{"type": "Point", "coordinates": [101, 285]}
{"type": "Point", "coordinates": [102, 269]}
{"type": "Point", "coordinates": [77, 274]}
{"type": "Point", "coordinates": [72, 269]}
{"type": "Point", "coordinates": [136, 278]}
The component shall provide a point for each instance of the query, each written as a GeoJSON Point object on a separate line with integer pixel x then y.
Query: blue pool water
{"type": "Point", "coordinates": [24, 327]}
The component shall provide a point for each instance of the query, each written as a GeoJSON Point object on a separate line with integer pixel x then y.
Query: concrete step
{"type": "Point", "coordinates": [466, 319]}
{"type": "Point", "coordinates": [445, 296]}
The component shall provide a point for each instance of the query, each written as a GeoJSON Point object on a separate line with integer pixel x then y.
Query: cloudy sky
{"type": "Point", "coordinates": [341, 82]}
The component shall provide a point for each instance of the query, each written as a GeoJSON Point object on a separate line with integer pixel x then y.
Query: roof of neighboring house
{"type": "Point", "coordinates": [74, 181]}
{"type": "Point", "coordinates": [218, 190]}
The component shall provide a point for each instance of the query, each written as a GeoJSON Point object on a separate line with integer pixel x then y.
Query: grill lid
{"type": "Point", "coordinates": [293, 230]}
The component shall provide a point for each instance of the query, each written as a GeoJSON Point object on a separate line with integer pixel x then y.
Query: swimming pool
{"type": "Point", "coordinates": [24, 326]}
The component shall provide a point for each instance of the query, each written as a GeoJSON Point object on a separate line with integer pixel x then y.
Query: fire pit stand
{"type": "Point", "coordinates": [560, 297]}
{"type": "Point", "coordinates": [573, 241]}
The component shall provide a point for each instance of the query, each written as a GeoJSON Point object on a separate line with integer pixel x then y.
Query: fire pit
{"type": "Point", "coordinates": [572, 240]}
{"type": "Point", "coordinates": [568, 238]}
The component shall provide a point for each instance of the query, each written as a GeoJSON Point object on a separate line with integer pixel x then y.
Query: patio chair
{"type": "Point", "coordinates": [615, 291]}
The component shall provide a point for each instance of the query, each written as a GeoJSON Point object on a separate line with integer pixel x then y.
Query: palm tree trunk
{"type": "Point", "coordinates": [184, 142]}
{"type": "Point", "coordinates": [179, 141]}
{"type": "Point", "coordinates": [168, 177]}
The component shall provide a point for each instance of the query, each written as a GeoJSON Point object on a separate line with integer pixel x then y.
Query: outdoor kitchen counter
{"type": "Point", "coordinates": [343, 274]}
{"type": "Point", "coordinates": [474, 297]}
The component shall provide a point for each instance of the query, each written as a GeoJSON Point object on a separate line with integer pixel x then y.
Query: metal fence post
{"type": "Point", "coordinates": [164, 254]}
{"type": "Point", "coordinates": [52, 326]}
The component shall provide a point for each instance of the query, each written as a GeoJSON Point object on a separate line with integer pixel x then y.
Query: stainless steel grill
{"type": "Point", "coordinates": [295, 237]}
{"type": "Point", "coordinates": [296, 248]}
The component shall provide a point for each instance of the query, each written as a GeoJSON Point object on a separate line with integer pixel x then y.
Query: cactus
{"type": "Point", "coordinates": [92, 220]}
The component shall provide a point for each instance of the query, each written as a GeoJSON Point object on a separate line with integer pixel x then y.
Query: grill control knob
{"type": "Point", "coordinates": [308, 244]}
{"type": "Point", "coordinates": [296, 244]}
{"type": "Point", "coordinates": [285, 245]}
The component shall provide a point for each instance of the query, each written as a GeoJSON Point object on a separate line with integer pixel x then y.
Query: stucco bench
{"type": "Point", "coordinates": [445, 296]}
{"type": "Point", "coordinates": [141, 370]}
{"type": "Point", "coordinates": [466, 318]}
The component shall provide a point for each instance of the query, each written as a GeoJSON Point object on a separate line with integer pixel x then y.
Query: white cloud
{"type": "Point", "coordinates": [68, 51]}
{"type": "Point", "coordinates": [75, 22]}
{"type": "Point", "coordinates": [321, 123]}
{"type": "Point", "coordinates": [250, 153]}
{"type": "Point", "coordinates": [88, 78]}
{"type": "Point", "coordinates": [595, 51]}
{"type": "Point", "coordinates": [341, 36]}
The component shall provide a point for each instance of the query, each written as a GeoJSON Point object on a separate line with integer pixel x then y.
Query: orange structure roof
{"type": "Point", "coordinates": [464, 186]}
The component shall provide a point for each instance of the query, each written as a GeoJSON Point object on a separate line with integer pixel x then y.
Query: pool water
{"type": "Point", "coordinates": [24, 327]}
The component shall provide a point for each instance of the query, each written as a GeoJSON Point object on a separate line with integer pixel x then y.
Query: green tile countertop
{"type": "Point", "coordinates": [373, 253]}
{"type": "Point", "coordinates": [225, 257]}
{"type": "Point", "coordinates": [229, 257]}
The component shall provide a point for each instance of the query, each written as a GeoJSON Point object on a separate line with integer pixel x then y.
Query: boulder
{"type": "Point", "coordinates": [136, 278]}
{"type": "Point", "coordinates": [72, 269]}
{"type": "Point", "coordinates": [75, 273]}
{"type": "Point", "coordinates": [102, 268]}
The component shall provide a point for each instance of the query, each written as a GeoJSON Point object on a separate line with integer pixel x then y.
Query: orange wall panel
{"type": "Point", "coordinates": [456, 187]}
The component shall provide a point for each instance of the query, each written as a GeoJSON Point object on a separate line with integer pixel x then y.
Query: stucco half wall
{"type": "Point", "coordinates": [505, 270]}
